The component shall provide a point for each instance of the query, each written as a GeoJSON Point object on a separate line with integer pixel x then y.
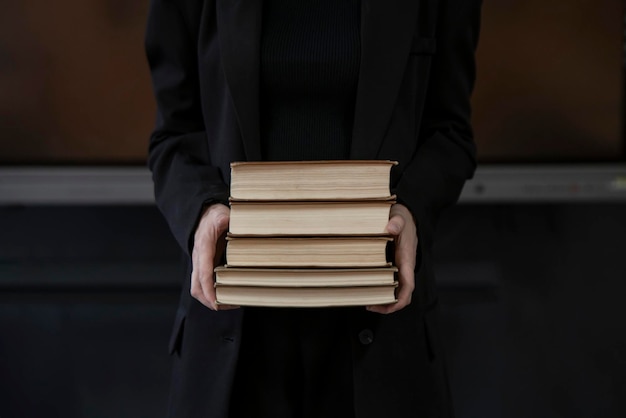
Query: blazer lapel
{"type": "Point", "coordinates": [387, 28]}
{"type": "Point", "coordinates": [239, 33]}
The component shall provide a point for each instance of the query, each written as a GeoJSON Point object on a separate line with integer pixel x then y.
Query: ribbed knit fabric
{"type": "Point", "coordinates": [310, 56]}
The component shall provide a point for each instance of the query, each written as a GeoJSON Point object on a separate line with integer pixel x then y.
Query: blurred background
{"type": "Point", "coordinates": [531, 264]}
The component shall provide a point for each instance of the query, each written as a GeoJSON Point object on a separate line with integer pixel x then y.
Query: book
{"type": "Point", "coordinates": [311, 180]}
{"type": "Point", "coordinates": [307, 252]}
{"type": "Point", "coordinates": [309, 218]}
{"type": "Point", "coordinates": [302, 278]}
{"type": "Point", "coordinates": [305, 296]}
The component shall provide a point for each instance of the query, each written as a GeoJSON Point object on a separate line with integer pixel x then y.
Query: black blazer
{"type": "Point", "coordinates": [412, 105]}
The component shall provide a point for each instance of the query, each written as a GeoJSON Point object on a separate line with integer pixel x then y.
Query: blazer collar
{"type": "Point", "coordinates": [387, 28]}
{"type": "Point", "coordinates": [239, 33]}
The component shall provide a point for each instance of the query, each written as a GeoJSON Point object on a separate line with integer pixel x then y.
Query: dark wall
{"type": "Point", "coordinates": [87, 297]}
{"type": "Point", "coordinates": [531, 310]}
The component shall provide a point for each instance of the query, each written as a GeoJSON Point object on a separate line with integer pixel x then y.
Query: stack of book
{"type": "Point", "coordinates": [308, 234]}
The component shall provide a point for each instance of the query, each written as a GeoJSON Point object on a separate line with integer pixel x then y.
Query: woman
{"type": "Point", "coordinates": [310, 79]}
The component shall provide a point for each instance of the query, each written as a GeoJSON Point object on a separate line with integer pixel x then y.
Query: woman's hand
{"type": "Point", "coordinates": [402, 226]}
{"type": "Point", "coordinates": [208, 247]}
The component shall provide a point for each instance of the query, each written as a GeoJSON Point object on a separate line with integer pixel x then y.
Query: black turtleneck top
{"type": "Point", "coordinates": [310, 56]}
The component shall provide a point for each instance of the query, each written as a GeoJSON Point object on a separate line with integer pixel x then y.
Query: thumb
{"type": "Point", "coordinates": [395, 225]}
{"type": "Point", "coordinates": [221, 224]}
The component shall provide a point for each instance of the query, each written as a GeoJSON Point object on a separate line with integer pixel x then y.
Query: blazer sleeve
{"type": "Point", "coordinates": [446, 155]}
{"type": "Point", "coordinates": [178, 156]}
